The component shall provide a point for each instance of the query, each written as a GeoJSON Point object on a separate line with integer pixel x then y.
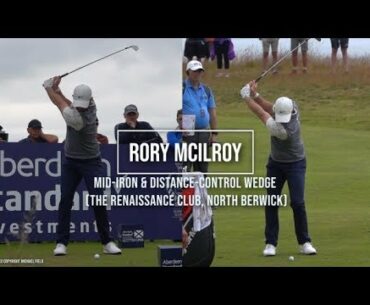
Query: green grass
{"type": "Point", "coordinates": [335, 127]}
{"type": "Point", "coordinates": [81, 254]}
{"type": "Point", "coordinates": [337, 204]}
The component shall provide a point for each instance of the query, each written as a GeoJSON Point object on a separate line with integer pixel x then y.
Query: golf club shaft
{"type": "Point", "coordinates": [279, 61]}
{"type": "Point", "coordinates": [79, 68]}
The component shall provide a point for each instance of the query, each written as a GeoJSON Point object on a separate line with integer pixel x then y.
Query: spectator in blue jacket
{"type": "Point", "coordinates": [198, 102]}
{"type": "Point", "coordinates": [174, 137]}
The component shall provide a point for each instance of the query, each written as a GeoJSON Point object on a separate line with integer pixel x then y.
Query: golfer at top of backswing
{"type": "Point", "coordinates": [82, 160]}
{"type": "Point", "coordinates": [287, 162]}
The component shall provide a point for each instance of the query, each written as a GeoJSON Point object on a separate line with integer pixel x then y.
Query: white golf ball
{"type": "Point", "coordinates": [96, 256]}
{"type": "Point", "coordinates": [291, 258]}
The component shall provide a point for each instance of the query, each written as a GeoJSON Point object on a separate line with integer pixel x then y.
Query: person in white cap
{"type": "Point", "coordinates": [82, 160]}
{"type": "Point", "coordinates": [287, 162]}
{"type": "Point", "coordinates": [198, 101]}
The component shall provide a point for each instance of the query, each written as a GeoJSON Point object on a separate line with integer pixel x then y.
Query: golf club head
{"type": "Point", "coordinates": [136, 48]}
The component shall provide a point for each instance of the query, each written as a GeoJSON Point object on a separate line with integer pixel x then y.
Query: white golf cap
{"type": "Point", "coordinates": [82, 96]}
{"type": "Point", "coordinates": [283, 108]}
{"type": "Point", "coordinates": [194, 65]}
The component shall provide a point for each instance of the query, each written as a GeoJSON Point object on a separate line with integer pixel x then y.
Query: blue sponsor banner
{"type": "Point", "coordinates": [30, 194]}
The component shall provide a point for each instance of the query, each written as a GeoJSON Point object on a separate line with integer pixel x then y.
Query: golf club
{"type": "Point", "coordinates": [135, 48]}
{"type": "Point", "coordinates": [281, 59]}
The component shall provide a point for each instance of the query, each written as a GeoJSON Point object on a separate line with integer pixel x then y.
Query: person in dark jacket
{"type": "Point", "coordinates": [131, 116]}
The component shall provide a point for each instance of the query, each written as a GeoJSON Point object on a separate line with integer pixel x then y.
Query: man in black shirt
{"type": "Point", "coordinates": [131, 115]}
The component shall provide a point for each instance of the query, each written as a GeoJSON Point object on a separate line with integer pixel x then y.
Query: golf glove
{"type": "Point", "coordinates": [245, 92]}
{"type": "Point", "coordinates": [48, 83]}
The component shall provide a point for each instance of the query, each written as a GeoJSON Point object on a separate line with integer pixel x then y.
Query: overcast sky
{"type": "Point", "coordinates": [150, 78]}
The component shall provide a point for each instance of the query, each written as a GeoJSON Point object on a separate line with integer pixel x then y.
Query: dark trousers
{"type": "Point", "coordinates": [222, 54]}
{"type": "Point", "coordinates": [73, 171]}
{"type": "Point", "coordinates": [199, 137]}
{"type": "Point", "coordinates": [294, 173]}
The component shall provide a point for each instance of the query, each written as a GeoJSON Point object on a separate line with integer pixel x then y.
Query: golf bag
{"type": "Point", "coordinates": [198, 224]}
